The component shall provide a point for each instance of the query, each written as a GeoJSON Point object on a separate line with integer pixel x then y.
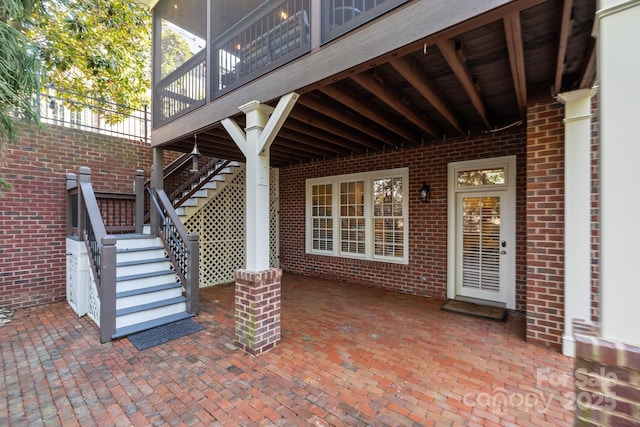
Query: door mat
{"type": "Point", "coordinates": [165, 333]}
{"type": "Point", "coordinates": [477, 310]}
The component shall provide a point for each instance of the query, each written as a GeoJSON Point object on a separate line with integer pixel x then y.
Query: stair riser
{"type": "Point", "coordinates": [135, 300]}
{"type": "Point", "coordinates": [138, 243]}
{"type": "Point", "coordinates": [143, 316]}
{"type": "Point", "coordinates": [194, 204]}
{"type": "Point", "coordinates": [143, 268]}
{"type": "Point", "coordinates": [191, 202]}
{"type": "Point", "coordinates": [139, 255]}
{"type": "Point", "coordinates": [130, 285]}
{"type": "Point", "coordinates": [211, 185]}
{"type": "Point", "coordinates": [199, 193]}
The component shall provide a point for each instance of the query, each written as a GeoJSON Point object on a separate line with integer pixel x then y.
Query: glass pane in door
{"type": "Point", "coordinates": [481, 243]}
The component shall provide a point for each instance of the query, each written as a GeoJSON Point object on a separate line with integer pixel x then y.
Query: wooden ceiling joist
{"type": "Point", "coordinates": [589, 71]}
{"type": "Point", "coordinates": [351, 121]}
{"type": "Point", "coordinates": [302, 142]}
{"type": "Point", "coordinates": [451, 53]}
{"type": "Point", "coordinates": [313, 119]}
{"type": "Point", "coordinates": [412, 73]}
{"type": "Point", "coordinates": [394, 100]}
{"type": "Point", "coordinates": [565, 30]}
{"type": "Point", "coordinates": [369, 112]}
{"type": "Point", "coordinates": [339, 145]}
{"type": "Point", "coordinates": [515, 47]}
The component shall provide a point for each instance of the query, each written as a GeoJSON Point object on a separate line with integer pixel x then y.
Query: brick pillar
{"type": "Point", "coordinates": [607, 379]}
{"type": "Point", "coordinates": [545, 223]}
{"type": "Point", "coordinates": [258, 309]}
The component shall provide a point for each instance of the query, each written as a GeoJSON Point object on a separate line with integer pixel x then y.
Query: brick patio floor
{"type": "Point", "coordinates": [349, 356]}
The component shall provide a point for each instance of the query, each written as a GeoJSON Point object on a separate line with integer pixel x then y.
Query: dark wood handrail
{"type": "Point", "coordinates": [201, 184]}
{"type": "Point", "coordinates": [102, 252]}
{"type": "Point", "coordinates": [182, 247]}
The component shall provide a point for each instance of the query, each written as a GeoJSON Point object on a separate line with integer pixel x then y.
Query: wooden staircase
{"type": "Point", "coordinates": [148, 293]}
{"type": "Point", "coordinates": [208, 191]}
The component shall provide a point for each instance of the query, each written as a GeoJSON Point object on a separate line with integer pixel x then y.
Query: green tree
{"type": "Point", "coordinates": [175, 51]}
{"type": "Point", "coordinates": [99, 48]}
{"type": "Point", "coordinates": [19, 70]}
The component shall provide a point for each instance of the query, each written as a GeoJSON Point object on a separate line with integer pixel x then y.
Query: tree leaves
{"type": "Point", "coordinates": [98, 48]}
{"type": "Point", "coordinates": [19, 70]}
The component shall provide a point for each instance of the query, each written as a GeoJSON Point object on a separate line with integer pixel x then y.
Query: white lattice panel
{"type": "Point", "coordinates": [274, 207]}
{"type": "Point", "coordinates": [72, 280]}
{"type": "Point", "coordinates": [94, 300]}
{"type": "Point", "coordinates": [221, 227]}
{"type": "Point", "coordinates": [77, 276]}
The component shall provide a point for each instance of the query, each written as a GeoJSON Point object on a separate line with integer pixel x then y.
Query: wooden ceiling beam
{"type": "Point", "coordinates": [589, 70]}
{"type": "Point", "coordinates": [370, 113]}
{"type": "Point", "coordinates": [417, 78]}
{"type": "Point", "coordinates": [565, 30]}
{"type": "Point", "coordinates": [288, 148]}
{"type": "Point", "coordinates": [315, 120]}
{"type": "Point", "coordinates": [302, 142]}
{"type": "Point", "coordinates": [332, 112]}
{"type": "Point", "coordinates": [328, 139]}
{"type": "Point", "coordinates": [453, 54]}
{"type": "Point", "coordinates": [394, 100]}
{"type": "Point", "coordinates": [515, 47]}
{"type": "Point", "coordinates": [449, 33]}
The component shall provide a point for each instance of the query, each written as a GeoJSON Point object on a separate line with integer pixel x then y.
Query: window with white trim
{"type": "Point", "coordinates": [361, 215]}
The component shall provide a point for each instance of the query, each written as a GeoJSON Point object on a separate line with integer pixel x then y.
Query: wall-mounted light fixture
{"type": "Point", "coordinates": [195, 155]}
{"type": "Point", "coordinates": [425, 192]}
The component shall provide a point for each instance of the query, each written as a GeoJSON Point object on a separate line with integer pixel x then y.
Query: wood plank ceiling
{"type": "Point", "coordinates": [470, 79]}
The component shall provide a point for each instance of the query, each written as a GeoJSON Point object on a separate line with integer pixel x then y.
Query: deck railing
{"type": "Point", "coordinates": [270, 36]}
{"type": "Point", "coordinates": [183, 248]}
{"type": "Point", "coordinates": [273, 34]}
{"type": "Point", "coordinates": [95, 218]}
{"type": "Point", "coordinates": [181, 91]}
{"type": "Point", "coordinates": [341, 16]}
{"type": "Point", "coordinates": [69, 109]}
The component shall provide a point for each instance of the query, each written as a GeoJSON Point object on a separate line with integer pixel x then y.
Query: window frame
{"type": "Point", "coordinates": [368, 177]}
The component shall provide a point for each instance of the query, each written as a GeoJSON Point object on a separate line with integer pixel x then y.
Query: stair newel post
{"type": "Point", "coordinates": [72, 182]}
{"type": "Point", "coordinates": [193, 278]}
{"type": "Point", "coordinates": [157, 183]}
{"type": "Point", "coordinates": [107, 290]}
{"type": "Point", "coordinates": [84, 175]}
{"type": "Point", "coordinates": [139, 190]}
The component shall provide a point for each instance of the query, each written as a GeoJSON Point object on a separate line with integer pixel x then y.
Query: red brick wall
{"type": "Point", "coordinates": [32, 215]}
{"type": "Point", "coordinates": [427, 222]}
{"type": "Point", "coordinates": [545, 223]}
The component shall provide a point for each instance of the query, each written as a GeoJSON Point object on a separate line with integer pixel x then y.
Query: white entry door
{"type": "Point", "coordinates": [482, 238]}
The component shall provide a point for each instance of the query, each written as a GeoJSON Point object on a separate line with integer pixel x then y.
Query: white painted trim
{"type": "Point", "coordinates": [577, 211]}
{"type": "Point", "coordinates": [368, 178]}
{"type": "Point", "coordinates": [609, 10]}
{"type": "Point", "coordinates": [619, 153]}
{"type": "Point", "coordinates": [509, 189]}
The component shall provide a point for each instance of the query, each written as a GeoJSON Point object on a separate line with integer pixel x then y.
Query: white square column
{"type": "Point", "coordinates": [577, 212]}
{"type": "Point", "coordinates": [618, 36]}
{"type": "Point", "coordinates": [262, 125]}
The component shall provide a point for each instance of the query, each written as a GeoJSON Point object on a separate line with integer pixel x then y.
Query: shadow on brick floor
{"type": "Point", "coordinates": [349, 355]}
